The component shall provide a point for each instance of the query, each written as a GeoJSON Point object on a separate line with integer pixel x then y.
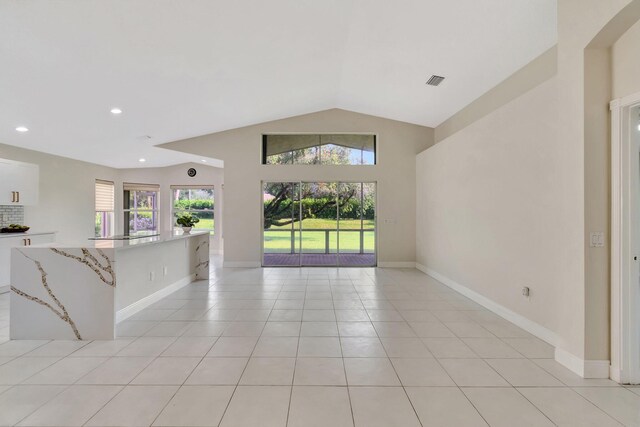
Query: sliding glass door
{"type": "Point", "coordinates": [319, 224]}
{"type": "Point", "coordinates": [281, 223]}
{"type": "Point", "coordinates": [357, 237]}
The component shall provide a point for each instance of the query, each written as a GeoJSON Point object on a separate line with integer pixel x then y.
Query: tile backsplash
{"type": "Point", "coordinates": [11, 215]}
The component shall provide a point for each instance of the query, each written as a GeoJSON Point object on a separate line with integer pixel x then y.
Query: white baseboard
{"type": "Point", "coordinates": [569, 361]}
{"type": "Point", "coordinates": [584, 368]}
{"type": "Point", "coordinates": [145, 302]}
{"type": "Point", "coordinates": [241, 264]}
{"type": "Point", "coordinates": [528, 325]}
{"type": "Point", "coordinates": [615, 374]}
{"type": "Point", "coordinates": [396, 264]}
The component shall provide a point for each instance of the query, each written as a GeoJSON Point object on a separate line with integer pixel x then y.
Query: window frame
{"type": "Point", "coordinates": [127, 211]}
{"type": "Point", "coordinates": [264, 142]}
{"type": "Point", "coordinates": [190, 187]}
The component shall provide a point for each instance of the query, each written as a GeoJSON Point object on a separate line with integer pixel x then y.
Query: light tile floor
{"type": "Point", "coordinates": [305, 347]}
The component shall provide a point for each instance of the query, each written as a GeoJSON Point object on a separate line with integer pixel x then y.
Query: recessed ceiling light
{"type": "Point", "coordinates": [116, 111]}
{"type": "Point", "coordinates": [22, 129]}
{"type": "Point", "coordinates": [142, 160]}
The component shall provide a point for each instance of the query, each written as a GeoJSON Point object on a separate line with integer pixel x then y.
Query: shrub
{"type": "Point", "coordinates": [350, 210]}
{"type": "Point", "coordinates": [141, 223]}
{"type": "Point", "coordinates": [193, 204]}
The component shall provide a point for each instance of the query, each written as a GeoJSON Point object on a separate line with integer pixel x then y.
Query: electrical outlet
{"type": "Point", "coordinates": [525, 291]}
{"type": "Point", "coordinates": [165, 270]}
{"type": "Point", "coordinates": [152, 276]}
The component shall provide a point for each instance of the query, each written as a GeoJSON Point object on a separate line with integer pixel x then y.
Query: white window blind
{"type": "Point", "coordinates": [130, 186]}
{"type": "Point", "coordinates": [105, 191]}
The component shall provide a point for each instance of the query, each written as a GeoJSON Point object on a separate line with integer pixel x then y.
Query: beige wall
{"type": "Point", "coordinates": [531, 75]}
{"type": "Point", "coordinates": [579, 22]}
{"type": "Point", "coordinates": [534, 173]}
{"type": "Point", "coordinates": [177, 175]}
{"type": "Point", "coordinates": [67, 193]}
{"type": "Point", "coordinates": [398, 143]}
{"type": "Point", "coordinates": [625, 64]}
{"type": "Point", "coordinates": [490, 207]}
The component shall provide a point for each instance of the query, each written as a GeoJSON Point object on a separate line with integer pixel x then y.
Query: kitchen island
{"type": "Point", "coordinates": [13, 240]}
{"type": "Point", "coordinates": [80, 291]}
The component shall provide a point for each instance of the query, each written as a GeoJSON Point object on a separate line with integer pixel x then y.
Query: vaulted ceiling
{"type": "Point", "coordinates": [182, 68]}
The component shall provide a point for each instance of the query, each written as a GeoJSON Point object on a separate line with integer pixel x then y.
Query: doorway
{"type": "Point", "coordinates": [625, 240]}
{"type": "Point", "coordinates": [323, 224]}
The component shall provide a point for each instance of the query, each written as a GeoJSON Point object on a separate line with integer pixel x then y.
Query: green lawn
{"type": "Point", "coordinates": [315, 241]}
{"type": "Point", "coordinates": [204, 224]}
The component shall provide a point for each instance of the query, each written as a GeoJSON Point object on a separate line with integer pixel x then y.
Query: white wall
{"type": "Point", "coordinates": [625, 65]}
{"type": "Point", "coordinates": [510, 200]}
{"type": "Point", "coordinates": [489, 207]}
{"type": "Point", "coordinates": [397, 143]}
{"type": "Point", "coordinates": [177, 175]}
{"type": "Point", "coordinates": [67, 193]}
{"type": "Point", "coordinates": [536, 72]}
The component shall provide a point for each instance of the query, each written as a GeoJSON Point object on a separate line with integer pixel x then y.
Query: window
{"type": "Point", "coordinates": [198, 201]}
{"type": "Point", "coordinates": [325, 149]}
{"type": "Point", "coordinates": [140, 206]}
{"type": "Point", "coordinates": [104, 208]}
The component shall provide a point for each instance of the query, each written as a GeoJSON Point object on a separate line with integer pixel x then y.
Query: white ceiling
{"type": "Point", "coordinates": [182, 68]}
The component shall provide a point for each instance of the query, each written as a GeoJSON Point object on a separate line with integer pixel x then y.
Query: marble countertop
{"type": "Point", "coordinates": [26, 233]}
{"type": "Point", "coordinates": [165, 236]}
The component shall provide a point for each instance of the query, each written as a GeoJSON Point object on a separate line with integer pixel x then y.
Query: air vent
{"type": "Point", "coordinates": [435, 80]}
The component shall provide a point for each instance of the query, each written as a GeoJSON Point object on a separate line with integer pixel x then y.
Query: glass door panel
{"type": "Point", "coordinates": [281, 222]}
{"type": "Point", "coordinates": [369, 217]}
{"type": "Point", "coordinates": [319, 223]}
{"type": "Point", "coordinates": [350, 224]}
{"type": "Point", "coordinates": [357, 224]}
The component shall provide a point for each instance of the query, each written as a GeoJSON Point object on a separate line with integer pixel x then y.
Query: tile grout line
{"type": "Point", "coordinates": [344, 367]}
{"type": "Point", "coordinates": [179, 386]}
{"type": "Point", "coordinates": [122, 387]}
{"type": "Point", "coordinates": [224, 413]}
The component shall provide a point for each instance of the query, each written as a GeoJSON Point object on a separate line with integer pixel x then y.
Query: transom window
{"type": "Point", "coordinates": [196, 200]}
{"type": "Point", "coordinates": [323, 149]}
{"type": "Point", "coordinates": [140, 207]}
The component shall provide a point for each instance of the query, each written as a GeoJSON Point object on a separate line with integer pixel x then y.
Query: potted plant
{"type": "Point", "coordinates": [187, 221]}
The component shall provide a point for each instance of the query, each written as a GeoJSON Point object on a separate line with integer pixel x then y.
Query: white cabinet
{"type": "Point", "coordinates": [19, 183]}
{"type": "Point", "coordinates": [8, 242]}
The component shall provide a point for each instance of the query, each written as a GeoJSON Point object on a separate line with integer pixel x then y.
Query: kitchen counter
{"type": "Point", "coordinates": [81, 290]}
{"type": "Point", "coordinates": [165, 236]}
{"type": "Point", "coordinates": [26, 233]}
